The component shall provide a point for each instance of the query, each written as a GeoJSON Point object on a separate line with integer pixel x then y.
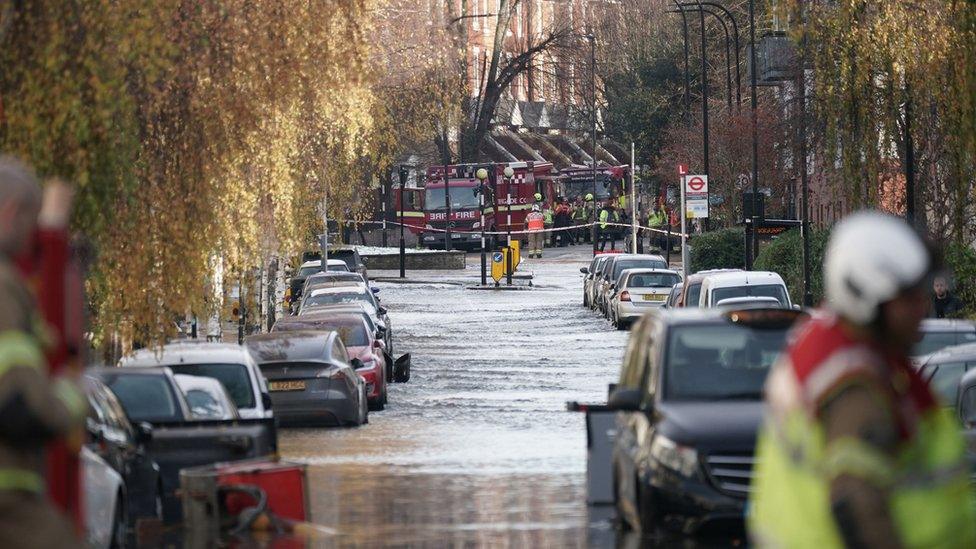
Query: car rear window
{"type": "Point", "coordinates": [306, 271]}
{"type": "Point", "coordinates": [775, 291]}
{"type": "Point", "coordinates": [203, 405]}
{"type": "Point", "coordinates": [693, 294]}
{"type": "Point", "coordinates": [653, 280]}
{"type": "Point", "coordinates": [720, 361]}
{"type": "Point", "coordinates": [233, 377]}
{"type": "Point", "coordinates": [624, 264]}
{"type": "Point", "coordinates": [336, 298]}
{"type": "Point", "coordinates": [145, 397]}
{"type": "Point", "coordinates": [933, 341]}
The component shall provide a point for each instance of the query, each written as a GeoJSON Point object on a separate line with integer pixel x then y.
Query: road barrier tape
{"type": "Point", "coordinates": [549, 230]}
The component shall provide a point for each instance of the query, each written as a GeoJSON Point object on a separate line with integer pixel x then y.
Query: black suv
{"type": "Point", "coordinates": [691, 395]}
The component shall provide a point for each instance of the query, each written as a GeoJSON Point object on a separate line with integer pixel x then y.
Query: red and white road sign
{"type": "Point", "coordinates": [682, 169]}
{"type": "Point", "coordinates": [697, 183]}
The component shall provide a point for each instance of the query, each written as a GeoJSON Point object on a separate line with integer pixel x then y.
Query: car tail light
{"type": "Point", "coordinates": [625, 296]}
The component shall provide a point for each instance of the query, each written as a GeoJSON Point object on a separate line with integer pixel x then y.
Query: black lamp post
{"type": "Point", "coordinates": [403, 247]}
{"type": "Point", "coordinates": [753, 245]}
{"type": "Point", "coordinates": [482, 174]}
{"type": "Point", "coordinates": [592, 40]}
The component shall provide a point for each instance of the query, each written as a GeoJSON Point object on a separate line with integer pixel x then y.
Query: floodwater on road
{"type": "Point", "coordinates": [478, 448]}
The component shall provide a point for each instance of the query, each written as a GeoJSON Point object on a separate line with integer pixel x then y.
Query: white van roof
{"type": "Point", "coordinates": [742, 278]}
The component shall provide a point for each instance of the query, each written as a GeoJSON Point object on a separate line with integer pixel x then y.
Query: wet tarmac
{"type": "Point", "coordinates": [477, 449]}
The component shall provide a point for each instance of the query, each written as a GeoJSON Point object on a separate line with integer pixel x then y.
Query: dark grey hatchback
{"type": "Point", "coordinates": [311, 378]}
{"type": "Point", "coordinates": [690, 396]}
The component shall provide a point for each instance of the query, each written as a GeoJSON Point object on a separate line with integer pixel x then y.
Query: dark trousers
{"type": "Point", "coordinates": [607, 235]}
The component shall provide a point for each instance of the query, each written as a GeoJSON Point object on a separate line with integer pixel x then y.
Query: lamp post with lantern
{"type": "Point", "coordinates": [482, 174]}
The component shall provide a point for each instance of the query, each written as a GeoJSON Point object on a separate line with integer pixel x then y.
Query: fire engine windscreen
{"type": "Point", "coordinates": [461, 198]}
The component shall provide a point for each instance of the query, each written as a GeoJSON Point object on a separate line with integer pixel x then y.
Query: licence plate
{"type": "Point", "coordinates": [286, 385]}
{"type": "Point", "coordinates": [654, 297]}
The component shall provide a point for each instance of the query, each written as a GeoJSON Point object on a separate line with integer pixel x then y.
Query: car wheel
{"type": "Point", "coordinates": [119, 523]}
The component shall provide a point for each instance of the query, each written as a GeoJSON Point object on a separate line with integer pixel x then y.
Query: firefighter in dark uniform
{"type": "Point", "coordinates": [33, 409]}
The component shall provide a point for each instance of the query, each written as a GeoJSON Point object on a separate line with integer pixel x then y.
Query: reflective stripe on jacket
{"type": "Point", "coordinates": [926, 483]}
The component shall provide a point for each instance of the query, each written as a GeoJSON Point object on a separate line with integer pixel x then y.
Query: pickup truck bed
{"type": "Point", "coordinates": [177, 445]}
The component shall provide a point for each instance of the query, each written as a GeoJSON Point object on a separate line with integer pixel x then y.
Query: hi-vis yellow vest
{"type": "Point", "coordinates": [931, 501]}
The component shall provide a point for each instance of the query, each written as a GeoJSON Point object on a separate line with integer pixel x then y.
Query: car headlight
{"type": "Point", "coordinates": [476, 225]}
{"type": "Point", "coordinates": [428, 226]}
{"type": "Point", "coordinates": [674, 456]}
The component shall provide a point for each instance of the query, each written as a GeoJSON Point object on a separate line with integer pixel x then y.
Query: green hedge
{"type": "Point", "coordinates": [722, 249]}
{"type": "Point", "coordinates": [960, 262]}
{"type": "Point", "coordinates": [784, 255]}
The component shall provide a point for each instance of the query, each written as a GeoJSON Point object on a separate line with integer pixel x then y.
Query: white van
{"type": "Point", "coordinates": [743, 284]}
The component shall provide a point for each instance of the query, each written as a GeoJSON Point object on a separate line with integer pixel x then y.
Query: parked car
{"type": "Point", "coordinates": [352, 259]}
{"type": "Point", "coordinates": [722, 286]}
{"type": "Point", "coordinates": [637, 291]}
{"type": "Point", "coordinates": [229, 364]}
{"type": "Point", "coordinates": [123, 446]}
{"type": "Point", "coordinates": [361, 342]}
{"type": "Point", "coordinates": [944, 368]}
{"type": "Point", "coordinates": [590, 272]}
{"type": "Point", "coordinates": [396, 370]}
{"type": "Point", "coordinates": [690, 398]}
{"type": "Point", "coordinates": [939, 333]}
{"type": "Point", "coordinates": [334, 276]}
{"type": "Point", "coordinates": [312, 378]}
{"type": "Point", "coordinates": [293, 294]}
{"type": "Point", "coordinates": [207, 397]}
{"type": "Point", "coordinates": [618, 264]}
{"type": "Point", "coordinates": [693, 284]}
{"type": "Point", "coordinates": [104, 504]}
{"type": "Point", "coordinates": [345, 296]}
{"type": "Point", "coordinates": [966, 412]}
{"type": "Point", "coordinates": [672, 301]}
{"type": "Point", "coordinates": [179, 440]}
{"type": "Point", "coordinates": [597, 275]}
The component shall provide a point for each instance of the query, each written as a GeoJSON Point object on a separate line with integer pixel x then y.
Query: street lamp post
{"type": "Point", "coordinates": [592, 40]}
{"type": "Point", "coordinates": [482, 174]}
{"type": "Point", "coordinates": [509, 172]}
{"type": "Point", "coordinates": [753, 246]}
{"type": "Point", "coordinates": [403, 247]}
{"type": "Point", "coordinates": [447, 210]}
{"type": "Point", "coordinates": [684, 30]}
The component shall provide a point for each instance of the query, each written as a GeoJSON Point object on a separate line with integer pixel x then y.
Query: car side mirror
{"type": "Point", "coordinates": [584, 270]}
{"type": "Point", "coordinates": [377, 344]}
{"type": "Point", "coordinates": [381, 310]}
{"type": "Point", "coordinates": [796, 307]}
{"type": "Point", "coordinates": [266, 401]}
{"type": "Point", "coordinates": [356, 363]}
{"type": "Point", "coordinates": [144, 432]}
{"type": "Point", "coordinates": [374, 289]}
{"type": "Point", "coordinates": [626, 400]}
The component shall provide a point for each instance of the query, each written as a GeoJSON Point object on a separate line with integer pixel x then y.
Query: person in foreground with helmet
{"type": "Point", "coordinates": [855, 450]}
{"type": "Point", "coordinates": [535, 223]}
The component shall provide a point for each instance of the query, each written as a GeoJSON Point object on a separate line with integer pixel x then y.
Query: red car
{"type": "Point", "coordinates": [360, 343]}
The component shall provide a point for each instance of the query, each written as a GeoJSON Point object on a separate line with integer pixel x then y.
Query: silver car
{"type": "Point", "coordinates": [589, 273]}
{"type": "Point", "coordinates": [311, 377]}
{"type": "Point", "coordinates": [616, 265]}
{"type": "Point", "coordinates": [638, 291]}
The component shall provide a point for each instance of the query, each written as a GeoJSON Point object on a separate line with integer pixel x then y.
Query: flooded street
{"type": "Point", "coordinates": [477, 448]}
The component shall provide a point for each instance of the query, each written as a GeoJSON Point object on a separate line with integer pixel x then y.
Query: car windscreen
{"type": "Point", "coordinates": [653, 280]}
{"type": "Point", "coordinates": [933, 341]}
{"type": "Point", "coordinates": [145, 397]}
{"type": "Point", "coordinates": [945, 381]}
{"type": "Point", "coordinates": [233, 377]}
{"type": "Point", "coordinates": [310, 270]}
{"type": "Point", "coordinates": [720, 361]}
{"type": "Point", "coordinates": [336, 298]}
{"type": "Point", "coordinates": [775, 291]}
{"type": "Point", "coordinates": [203, 405]}
{"type": "Point", "coordinates": [624, 264]}
{"type": "Point", "coordinates": [461, 197]}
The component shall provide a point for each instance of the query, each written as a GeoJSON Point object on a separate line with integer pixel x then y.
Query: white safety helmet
{"type": "Point", "coordinates": [535, 208]}
{"type": "Point", "coordinates": [871, 258]}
